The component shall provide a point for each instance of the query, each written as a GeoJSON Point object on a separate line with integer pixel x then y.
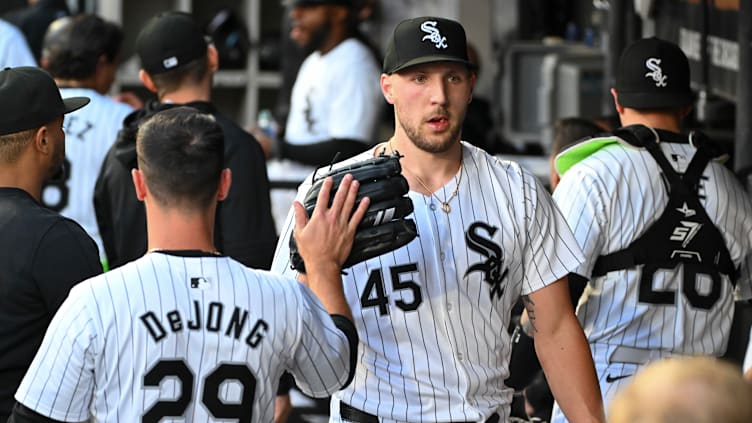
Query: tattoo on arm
{"type": "Point", "coordinates": [530, 308]}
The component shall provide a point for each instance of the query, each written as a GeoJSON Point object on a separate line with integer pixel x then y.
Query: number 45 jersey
{"type": "Point", "coordinates": [432, 315]}
{"type": "Point", "coordinates": [186, 336]}
{"type": "Point", "coordinates": [685, 307]}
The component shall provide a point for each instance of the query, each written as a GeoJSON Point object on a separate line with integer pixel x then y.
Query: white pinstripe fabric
{"type": "Point", "coordinates": [89, 133]}
{"type": "Point", "coordinates": [97, 350]}
{"type": "Point", "coordinates": [610, 199]}
{"type": "Point", "coordinates": [439, 350]}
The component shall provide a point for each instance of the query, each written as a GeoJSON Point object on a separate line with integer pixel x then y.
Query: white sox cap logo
{"type": "Point", "coordinates": [434, 36]}
{"type": "Point", "coordinates": [656, 72]}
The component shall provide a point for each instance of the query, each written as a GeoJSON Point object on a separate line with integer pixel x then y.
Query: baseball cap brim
{"type": "Point", "coordinates": [431, 59]}
{"type": "Point", "coordinates": [654, 100]}
{"type": "Point", "coordinates": [74, 103]}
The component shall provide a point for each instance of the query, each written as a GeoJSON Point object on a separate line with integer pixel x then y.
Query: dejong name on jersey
{"type": "Point", "coordinates": [213, 322]}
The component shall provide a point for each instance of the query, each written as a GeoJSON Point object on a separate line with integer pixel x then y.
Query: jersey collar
{"type": "Point", "coordinates": [575, 153]}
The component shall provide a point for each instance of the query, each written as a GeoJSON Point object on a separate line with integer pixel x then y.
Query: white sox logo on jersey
{"type": "Point", "coordinates": [656, 72]}
{"type": "Point", "coordinates": [434, 36]}
{"type": "Point", "coordinates": [493, 268]}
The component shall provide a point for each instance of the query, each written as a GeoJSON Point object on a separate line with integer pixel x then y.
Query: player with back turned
{"type": "Point", "coordinates": [185, 332]}
{"type": "Point", "coordinates": [42, 254]}
{"type": "Point", "coordinates": [81, 52]}
{"type": "Point", "coordinates": [432, 315]}
{"type": "Point", "coordinates": [666, 229]}
{"type": "Point", "coordinates": [178, 64]}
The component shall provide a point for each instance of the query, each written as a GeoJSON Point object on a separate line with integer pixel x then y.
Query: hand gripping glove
{"type": "Point", "coordinates": [384, 227]}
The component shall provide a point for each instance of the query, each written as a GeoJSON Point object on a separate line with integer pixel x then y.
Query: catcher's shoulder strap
{"type": "Point", "coordinates": [684, 233]}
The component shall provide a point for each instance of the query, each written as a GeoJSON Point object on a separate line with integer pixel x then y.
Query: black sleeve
{"type": "Point", "coordinates": [286, 382]}
{"type": "Point", "coordinates": [348, 328]}
{"type": "Point", "coordinates": [66, 255]}
{"type": "Point", "coordinates": [103, 212]}
{"type": "Point", "coordinates": [577, 285]}
{"type": "Point", "coordinates": [23, 414]}
{"type": "Point", "coordinates": [324, 152]}
{"type": "Point", "coordinates": [245, 227]}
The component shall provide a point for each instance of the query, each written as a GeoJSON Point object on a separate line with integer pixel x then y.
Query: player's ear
{"type": "Point", "coordinates": [139, 184]}
{"type": "Point", "coordinates": [386, 88]}
{"type": "Point", "coordinates": [225, 180]}
{"type": "Point", "coordinates": [619, 107]}
{"type": "Point", "coordinates": [41, 143]}
{"type": "Point", "coordinates": [147, 81]}
{"type": "Point", "coordinates": [212, 58]}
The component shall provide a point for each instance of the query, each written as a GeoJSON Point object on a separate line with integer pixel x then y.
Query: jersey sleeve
{"type": "Point", "coordinates": [321, 358]}
{"type": "Point", "coordinates": [60, 381]}
{"type": "Point", "coordinates": [66, 256]}
{"type": "Point", "coordinates": [581, 198]}
{"type": "Point", "coordinates": [552, 251]}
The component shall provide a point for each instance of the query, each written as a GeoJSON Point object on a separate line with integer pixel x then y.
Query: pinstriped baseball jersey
{"type": "Point", "coordinates": [610, 199]}
{"type": "Point", "coordinates": [89, 133]}
{"type": "Point", "coordinates": [432, 315]}
{"type": "Point", "coordinates": [201, 337]}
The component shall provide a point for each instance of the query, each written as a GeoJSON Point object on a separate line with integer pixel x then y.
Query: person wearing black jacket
{"type": "Point", "coordinates": [178, 64]}
{"type": "Point", "coordinates": [42, 254]}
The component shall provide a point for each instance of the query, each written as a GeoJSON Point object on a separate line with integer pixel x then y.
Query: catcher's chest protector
{"type": "Point", "coordinates": [684, 233]}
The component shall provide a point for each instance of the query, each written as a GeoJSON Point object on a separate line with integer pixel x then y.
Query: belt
{"type": "Point", "coordinates": [352, 414]}
{"type": "Point", "coordinates": [633, 355]}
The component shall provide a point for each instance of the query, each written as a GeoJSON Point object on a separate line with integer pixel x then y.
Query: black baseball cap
{"type": "Point", "coordinates": [425, 40]}
{"type": "Point", "coordinates": [307, 3]}
{"type": "Point", "coordinates": [653, 74]}
{"type": "Point", "coordinates": [169, 41]}
{"type": "Point", "coordinates": [31, 99]}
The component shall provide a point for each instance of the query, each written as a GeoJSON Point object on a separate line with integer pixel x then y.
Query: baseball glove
{"type": "Point", "coordinates": [384, 227]}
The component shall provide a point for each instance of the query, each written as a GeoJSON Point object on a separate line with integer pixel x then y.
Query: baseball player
{"type": "Point", "coordinates": [432, 315]}
{"type": "Point", "coordinates": [81, 53]}
{"type": "Point", "coordinates": [335, 97]}
{"type": "Point", "coordinates": [667, 238]}
{"type": "Point", "coordinates": [185, 332]}
{"type": "Point", "coordinates": [42, 254]}
{"type": "Point", "coordinates": [178, 64]}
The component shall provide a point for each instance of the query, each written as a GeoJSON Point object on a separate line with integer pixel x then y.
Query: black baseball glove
{"type": "Point", "coordinates": [384, 227]}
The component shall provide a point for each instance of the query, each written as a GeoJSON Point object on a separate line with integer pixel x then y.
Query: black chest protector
{"type": "Point", "coordinates": [684, 233]}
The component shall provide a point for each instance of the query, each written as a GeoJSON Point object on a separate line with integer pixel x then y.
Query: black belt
{"type": "Point", "coordinates": [352, 414]}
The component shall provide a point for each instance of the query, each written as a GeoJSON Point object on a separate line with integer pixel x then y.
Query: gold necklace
{"type": "Point", "coordinates": [445, 207]}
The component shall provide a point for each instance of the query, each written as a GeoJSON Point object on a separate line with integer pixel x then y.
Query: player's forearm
{"type": "Point", "coordinates": [325, 280]}
{"type": "Point", "coordinates": [566, 359]}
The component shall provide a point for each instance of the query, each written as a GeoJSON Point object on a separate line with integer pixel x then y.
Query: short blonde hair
{"type": "Point", "coordinates": [687, 390]}
{"type": "Point", "coordinates": [11, 145]}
